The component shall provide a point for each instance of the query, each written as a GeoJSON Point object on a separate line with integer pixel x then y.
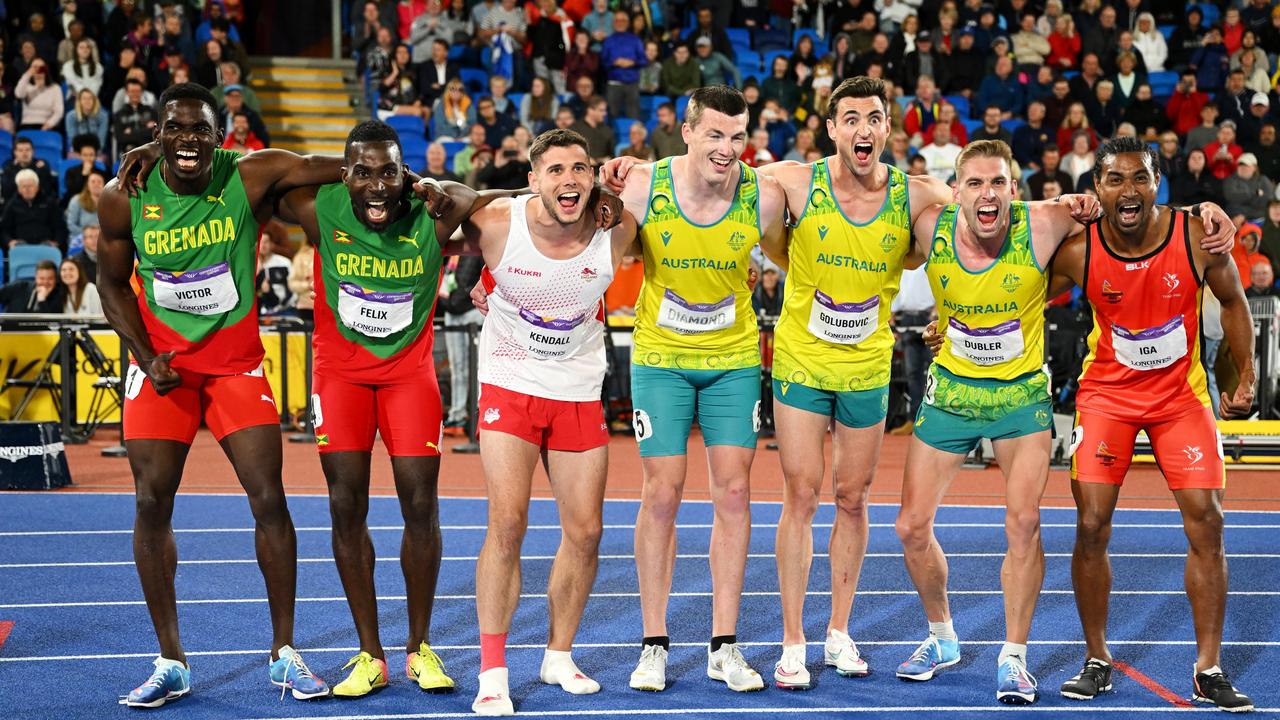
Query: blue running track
{"type": "Point", "coordinates": [79, 634]}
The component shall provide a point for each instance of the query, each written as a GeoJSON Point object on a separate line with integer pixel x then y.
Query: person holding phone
{"type": "Point", "coordinates": [42, 104]}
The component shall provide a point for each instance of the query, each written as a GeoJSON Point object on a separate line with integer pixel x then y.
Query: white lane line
{"type": "Point", "coordinates": [688, 526]}
{"type": "Point", "coordinates": [539, 596]}
{"type": "Point", "coordinates": [788, 710]}
{"type": "Point", "coordinates": [547, 558]}
{"type": "Point", "coordinates": [393, 650]}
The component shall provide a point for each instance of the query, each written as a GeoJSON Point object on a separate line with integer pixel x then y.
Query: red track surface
{"type": "Point", "coordinates": [461, 475]}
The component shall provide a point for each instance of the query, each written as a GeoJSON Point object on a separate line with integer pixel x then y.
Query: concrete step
{"type": "Point", "coordinates": [300, 62]}
{"type": "Point", "coordinates": [308, 135]}
{"type": "Point", "coordinates": [312, 147]}
{"type": "Point", "coordinates": [296, 100]}
{"type": "Point", "coordinates": [276, 109]}
{"type": "Point", "coordinates": [290, 86]}
{"type": "Point", "coordinates": [290, 74]}
{"type": "Point", "coordinates": [301, 124]}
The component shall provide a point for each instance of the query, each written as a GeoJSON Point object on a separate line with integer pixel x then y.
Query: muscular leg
{"type": "Point", "coordinates": [1206, 573]}
{"type": "Point", "coordinates": [508, 472]}
{"type": "Point", "coordinates": [1025, 464]}
{"type": "Point", "coordinates": [730, 475]}
{"type": "Point", "coordinates": [157, 470]}
{"type": "Point", "coordinates": [577, 480]}
{"type": "Point", "coordinates": [255, 454]}
{"type": "Point", "coordinates": [1090, 564]}
{"type": "Point", "coordinates": [420, 546]}
{"type": "Point", "coordinates": [347, 474]}
{"type": "Point", "coordinates": [928, 473]}
{"type": "Point", "coordinates": [855, 453]}
{"type": "Point", "coordinates": [655, 541]}
{"type": "Point", "coordinates": [800, 435]}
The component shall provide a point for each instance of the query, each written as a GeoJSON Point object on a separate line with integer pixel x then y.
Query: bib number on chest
{"type": "Point", "coordinates": [1150, 349]}
{"type": "Point", "coordinates": [843, 323]}
{"type": "Point", "coordinates": [550, 338]}
{"type": "Point", "coordinates": [986, 345]}
{"type": "Point", "coordinates": [690, 318]}
{"type": "Point", "coordinates": [373, 313]}
{"type": "Point", "coordinates": [206, 291]}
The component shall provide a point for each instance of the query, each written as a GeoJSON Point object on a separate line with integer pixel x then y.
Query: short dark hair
{"type": "Point", "coordinates": [22, 140]}
{"type": "Point", "coordinates": [46, 265]}
{"type": "Point", "coordinates": [1122, 146]}
{"type": "Point", "coordinates": [555, 138]}
{"type": "Point", "coordinates": [667, 106]}
{"type": "Point", "coordinates": [993, 105]}
{"type": "Point", "coordinates": [188, 91]}
{"type": "Point", "coordinates": [593, 101]}
{"type": "Point", "coordinates": [437, 41]}
{"type": "Point", "coordinates": [484, 98]}
{"type": "Point", "coordinates": [721, 98]}
{"type": "Point", "coordinates": [858, 87]}
{"type": "Point", "coordinates": [134, 81]}
{"type": "Point", "coordinates": [79, 142]}
{"type": "Point", "coordinates": [372, 131]}
{"type": "Point", "coordinates": [220, 23]}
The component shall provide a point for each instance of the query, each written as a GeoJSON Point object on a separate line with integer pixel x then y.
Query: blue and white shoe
{"type": "Point", "coordinates": [170, 681]}
{"type": "Point", "coordinates": [1017, 686]}
{"type": "Point", "coordinates": [291, 673]}
{"type": "Point", "coordinates": [932, 655]}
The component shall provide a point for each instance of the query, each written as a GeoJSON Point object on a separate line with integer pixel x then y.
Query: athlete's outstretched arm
{"type": "Point", "coordinates": [268, 174]}
{"type": "Point", "coordinates": [119, 303]}
{"type": "Point", "coordinates": [1223, 279]}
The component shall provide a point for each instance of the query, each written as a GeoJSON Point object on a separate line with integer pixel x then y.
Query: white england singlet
{"type": "Point", "coordinates": [544, 334]}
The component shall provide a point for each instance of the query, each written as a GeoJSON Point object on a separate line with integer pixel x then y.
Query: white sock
{"type": "Point", "coordinates": [1098, 660]}
{"type": "Point", "coordinates": [943, 630]}
{"type": "Point", "coordinates": [1211, 671]}
{"type": "Point", "coordinates": [1012, 649]}
{"type": "Point", "coordinates": [493, 687]}
{"type": "Point", "coordinates": [558, 668]}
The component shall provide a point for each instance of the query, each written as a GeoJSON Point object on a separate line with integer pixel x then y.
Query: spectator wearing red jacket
{"type": "Point", "coordinates": [1185, 104]}
{"type": "Point", "coordinates": [1224, 153]}
{"type": "Point", "coordinates": [1064, 45]}
{"type": "Point", "coordinates": [947, 116]}
{"type": "Point", "coordinates": [241, 138]}
{"type": "Point", "coordinates": [923, 111]}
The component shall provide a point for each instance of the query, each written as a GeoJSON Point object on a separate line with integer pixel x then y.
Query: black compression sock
{"type": "Point", "coordinates": [661, 641]}
{"type": "Point", "coordinates": [718, 640]}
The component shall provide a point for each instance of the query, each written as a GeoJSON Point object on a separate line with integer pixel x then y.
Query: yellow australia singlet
{"type": "Point", "coordinates": [834, 331]}
{"type": "Point", "coordinates": [992, 319]}
{"type": "Point", "coordinates": [694, 310]}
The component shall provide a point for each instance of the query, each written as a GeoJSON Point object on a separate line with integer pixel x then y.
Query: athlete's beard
{"type": "Point", "coordinates": [554, 211]}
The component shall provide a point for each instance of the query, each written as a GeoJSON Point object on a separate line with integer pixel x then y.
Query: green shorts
{"type": "Point", "coordinates": [727, 403]}
{"type": "Point", "coordinates": [851, 408]}
{"type": "Point", "coordinates": [957, 412]}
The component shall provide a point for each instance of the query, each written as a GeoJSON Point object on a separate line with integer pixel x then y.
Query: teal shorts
{"type": "Point", "coordinates": [851, 408]}
{"type": "Point", "coordinates": [958, 412]}
{"type": "Point", "coordinates": [727, 403]}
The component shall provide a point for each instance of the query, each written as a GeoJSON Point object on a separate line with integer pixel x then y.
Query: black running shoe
{"type": "Point", "coordinates": [1091, 681]}
{"type": "Point", "coordinates": [1216, 688]}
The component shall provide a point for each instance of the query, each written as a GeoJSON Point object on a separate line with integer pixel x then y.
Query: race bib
{"type": "Point", "coordinates": [550, 338]}
{"type": "Point", "coordinates": [986, 346]}
{"type": "Point", "coordinates": [843, 323]}
{"type": "Point", "coordinates": [373, 313]}
{"type": "Point", "coordinates": [207, 291]}
{"type": "Point", "coordinates": [689, 318]}
{"type": "Point", "coordinates": [1150, 349]}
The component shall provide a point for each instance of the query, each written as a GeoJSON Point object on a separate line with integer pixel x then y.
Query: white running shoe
{"type": "Point", "coordinates": [563, 671]}
{"type": "Point", "coordinates": [728, 665]}
{"type": "Point", "coordinates": [790, 673]}
{"type": "Point", "coordinates": [651, 672]}
{"type": "Point", "coordinates": [841, 654]}
{"type": "Point", "coordinates": [493, 699]}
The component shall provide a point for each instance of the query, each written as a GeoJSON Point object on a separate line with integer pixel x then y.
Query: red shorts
{"type": "Point", "coordinates": [1187, 449]}
{"type": "Point", "coordinates": [348, 415]}
{"type": "Point", "coordinates": [226, 403]}
{"type": "Point", "coordinates": [549, 424]}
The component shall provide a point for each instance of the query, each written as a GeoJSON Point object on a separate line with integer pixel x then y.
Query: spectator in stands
{"type": "Point", "coordinates": [115, 74]}
{"type": "Point", "coordinates": [918, 165]}
{"type": "Point", "coordinates": [922, 111]}
{"type": "Point", "coordinates": [1186, 103]}
{"type": "Point", "coordinates": [1233, 100]}
{"type": "Point", "coordinates": [650, 81]}
{"type": "Point", "coordinates": [1126, 46]}
{"type": "Point", "coordinates": [947, 116]}
{"type": "Point", "coordinates": [233, 104]}
{"type": "Point", "coordinates": [597, 24]}
{"type": "Point", "coordinates": [503, 33]}
{"type": "Point", "coordinates": [241, 138]}
{"type": "Point", "coordinates": [1145, 114]}
{"type": "Point", "coordinates": [1223, 153]}
{"type": "Point", "coordinates": [42, 102]}
{"type": "Point", "coordinates": [1270, 245]}
{"type": "Point", "coordinates": [87, 118]}
{"type": "Point", "coordinates": [1149, 41]}
{"type": "Point", "coordinates": [1247, 252]}
{"type": "Point", "coordinates": [1057, 103]}
{"type": "Point", "coordinates": [148, 97]}
{"type": "Point", "coordinates": [453, 114]}
{"type": "Point", "coordinates": [67, 46]}
{"type": "Point", "coordinates": [437, 168]}
{"type": "Point", "coordinates": [583, 91]}
{"type": "Point", "coordinates": [940, 155]}
{"type": "Point", "coordinates": [1126, 79]}
{"type": "Point", "coordinates": [636, 145]}
{"type": "Point", "coordinates": [667, 139]}
{"type": "Point", "coordinates": [274, 295]}
{"type": "Point", "coordinates": [767, 297]}
{"type": "Point", "coordinates": [594, 126]}
{"type": "Point", "coordinates": [86, 148]}
{"type": "Point", "coordinates": [119, 22]}
{"type": "Point", "coordinates": [1091, 73]}
{"type": "Point", "coordinates": [26, 55]}
{"type": "Point", "coordinates": [364, 31]}
{"type": "Point", "coordinates": [377, 59]}
{"type": "Point", "coordinates": [219, 32]}
{"type": "Point", "coordinates": [426, 28]}
{"type": "Point", "coordinates": [880, 53]}
{"type": "Point", "coordinates": [1250, 126]}
{"type": "Point", "coordinates": [141, 38]}
{"type": "Point", "coordinates": [398, 91]}
{"type": "Point", "coordinates": [548, 36]}
{"type": "Point", "coordinates": [41, 294]}
{"type": "Point", "coordinates": [1197, 184]}
{"type": "Point", "coordinates": [1187, 38]}
{"type": "Point", "coordinates": [565, 118]}
{"type": "Point", "coordinates": [46, 48]}
{"type": "Point", "coordinates": [1079, 162]}
{"type": "Point", "coordinates": [991, 128]}
{"type": "Point", "coordinates": [81, 294]}
{"type": "Point", "coordinates": [230, 74]}
{"type": "Point", "coordinates": [843, 59]}
{"type": "Point", "coordinates": [1029, 139]}
{"type": "Point", "coordinates": [538, 107]}
{"type": "Point", "coordinates": [1003, 90]}
{"type": "Point", "coordinates": [706, 28]}
{"type": "Point", "coordinates": [1247, 191]}
{"type": "Point", "coordinates": [462, 162]}
{"type": "Point", "coordinates": [24, 159]}
{"type": "Point", "coordinates": [1232, 29]}
{"type": "Point", "coordinates": [966, 67]}
{"type": "Point", "coordinates": [301, 274]}
{"type": "Point", "coordinates": [496, 126]}
{"type": "Point", "coordinates": [171, 64]}
{"type": "Point", "coordinates": [1000, 47]}
{"type": "Point", "coordinates": [83, 71]}
{"type": "Point", "coordinates": [436, 72]}
{"type": "Point", "coordinates": [176, 41]}
{"type": "Point", "coordinates": [777, 121]}
{"type": "Point", "coordinates": [1049, 171]}
{"type": "Point", "coordinates": [941, 37]}
{"type": "Point", "coordinates": [1076, 119]}
{"type": "Point", "coordinates": [134, 124]}
{"type": "Point", "coordinates": [715, 68]}
{"type": "Point", "coordinates": [1255, 73]}
{"type": "Point", "coordinates": [804, 55]}
{"type": "Point", "coordinates": [1102, 41]}
{"type": "Point", "coordinates": [1207, 130]}
{"type": "Point", "coordinates": [508, 171]}
{"type": "Point", "coordinates": [1210, 61]}
{"type": "Point", "coordinates": [622, 55]}
{"type": "Point", "coordinates": [803, 144]}
{"type": "Point", "coordinates": [897, 152]}
{"type": "Point", "coordinates": [1103, 110]}
{"type": "Point", "coordinates": [922, 62]}
{"type": "Point", "coordinates": [680, 75]}
{"type": "Point", "coordinates": [1262, 281]}
{"type": "Point", "coordinates": [780, 85]}
{"type": "Point", "coordinates": [1267, 151]}
{"type": "Point", "coordinates": [1030, 48]}
{"type": "Point", "coordinates": [86, 254]}
{"type": "Point", "coordinates": [32, 216]}
{"type": "Point", "coordinates": [756, 153]}
{"type": "Point", "coordinates": [209, 66]}
{"type": "Point", "coordinates": [582, 62]}
{"type": "Point", "coordinates": [1169, 159]}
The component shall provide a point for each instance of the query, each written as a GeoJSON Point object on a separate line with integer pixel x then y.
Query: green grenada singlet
{"type": "Point", "coordinates": [992, 319]}
{"type": "Point", "coordinates": [834, 331]}
{"type": "Point", "coordinates": [376, 291]}
{"type": "Point", "coordinates": [694, 310]}
{"type": "Point", "coordinates": [197, 258]}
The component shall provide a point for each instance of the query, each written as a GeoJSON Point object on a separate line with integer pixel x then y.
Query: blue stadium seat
{"type": "Point", "coordinates": [1068, 74]}
{"type": "Point", "coordinates": [415, 153]}
{"type": "Point", "coordinates": [1163, 83]}
{"type": "Point", "coordinates": [970, 125]}
{"type": "Point", "coordinates": [772, 39]}
{"type": "Point", "coordinates": [622, 126]}
{"type": "Point", "coordinates": [649, 105]}
{"type": "Point", "coordinates": [451, 149]}
{"type": "Point", "coordinates": [617, 149]}
{"type": "Point", "coordinates": [905, 101]}
{"type": "Point", "coordinates": [749, 62]}
{"type": "Point", "coordinates": [739, 49]}
{"type": "Point", "coordinates": [1162, 193]}
{"type": "Point", "coordinates": [1167, 30]}
{"type": "Point", "coordinates": [47, 144]}
{"type": "Point", "coordinates": [23, 259]}
{"type": "Point", "coordinates": [1012, 124]}
{"type": "Point", "coordinates": [650, 124]}
{"type": "Point", "coordinates": [739, 36]}
{"type": "Point", "coordinates": [408, 125]}
{"type": "Point", "coordinates": [961, 104]}
{"type": "Point", "coordinates": [62, 166]}
{"type": "Point", "coordinates": [682, 102]}
{"type": "Point", "coordinates": [517, 98]}
{"type": "Point", "coordinates": [456, 52]}
{"type": "Point", "coordinates": [819, 45]}
{"type": "Point", "coordinates": [1211, 13]}
{"type": "Point", "coordinates": [477, 81]}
